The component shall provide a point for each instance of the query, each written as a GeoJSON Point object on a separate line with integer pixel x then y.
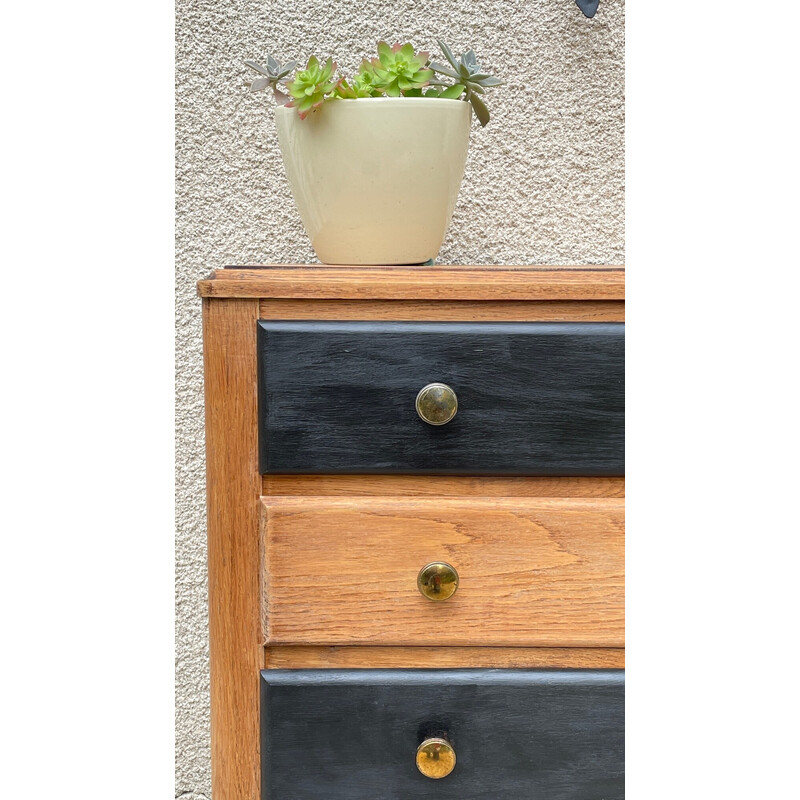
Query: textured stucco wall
{"type": "Point", "coordinates": [544, 185]}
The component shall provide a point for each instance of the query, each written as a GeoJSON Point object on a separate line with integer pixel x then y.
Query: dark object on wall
{"type": "Point", "coordinates": [354, 734]}
{"type": "Point", "coordinates": [589, 7]}
{"type": "Point", "coordinates": [534, 398]}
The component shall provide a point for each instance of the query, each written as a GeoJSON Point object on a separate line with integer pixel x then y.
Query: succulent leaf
{"type": "Point", "coordinates": [284, 70]}
{"type": "Point", "coordinates": [259, 84]}
{"type": "Point", "coordinates": [453, 92]}
{"type": "Point", "coordinates": [384, 54]}
{"type": "Point", "coordinates": [480, 109]}
{"type": "Point", "coordinates": [448, 54]}
{"type": "Point", "coordinates": [257, 67]}
{"type": "Point", "coordinates": [442, 70]}
{"type": "Point", "coordinates": [407, 51]}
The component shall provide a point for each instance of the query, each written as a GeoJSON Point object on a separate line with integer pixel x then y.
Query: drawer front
{"type": "Point", "coordinates": [531, 571]}
{"type": "Point", "coordinates": [354, 734]}
{"type": "Point", "coordinates": [532, 398]}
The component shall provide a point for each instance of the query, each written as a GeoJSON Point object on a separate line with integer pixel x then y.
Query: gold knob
{"type": "Point", "coordinates": [437, 581]}
{"type": "Point", "coordinates": [436, 758]}
{"type": "Point", "coordinates": [437, 403]}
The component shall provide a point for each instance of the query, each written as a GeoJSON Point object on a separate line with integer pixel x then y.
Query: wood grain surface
{"type": "Point", "coordinates": [353, 734]}
{"type": "Point", "coordinates": [444, 311]}
{"type": "Point", "coordinates": [233, 484]}
{"type": "Point", "coordinates": [436, 485]}
{"type": "Point", "coordinates": [533, 571]}
{"type": "Point", "coordinates": [310, 657]}
{"type": "Point", "coordinates": [309, 281]}
{"type": "Point", "coordinates": [533, 398]}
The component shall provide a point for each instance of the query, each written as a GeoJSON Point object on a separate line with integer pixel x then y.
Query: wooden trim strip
{"type": "Point", "coordinates": [311, 657]}
{"type": "Point", "coordinates": [440, 485]}
{"type": "Point", "coordinates": [418, 283]}
{"type": "Point", "coordinates": [443, 311]}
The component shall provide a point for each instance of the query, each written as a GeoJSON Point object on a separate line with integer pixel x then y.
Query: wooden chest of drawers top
{"type": "Point", "coordinates": [444, 283]}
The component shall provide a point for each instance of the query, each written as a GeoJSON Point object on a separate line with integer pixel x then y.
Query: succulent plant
{"type": "Point", "coordinates": [361, 85]}
{"type": "Point", "coordinates": [465, 70]}
{"type": "Point", "coordinates": [271, 75]}
{"type": "Point", "coordinates": [399, 70]}
{"type": "Point", "coordinates": [312, 86]}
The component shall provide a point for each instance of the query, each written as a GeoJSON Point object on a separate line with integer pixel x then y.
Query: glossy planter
{"type": "Point", "coordinates": [376, 180]}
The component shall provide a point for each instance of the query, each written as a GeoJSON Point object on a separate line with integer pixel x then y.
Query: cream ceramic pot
{"type": "Point", "coordinates": [376, 180]}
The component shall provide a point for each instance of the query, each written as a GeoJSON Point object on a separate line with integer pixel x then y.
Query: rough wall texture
{"type": "Point", "coordinates": [544, 184]}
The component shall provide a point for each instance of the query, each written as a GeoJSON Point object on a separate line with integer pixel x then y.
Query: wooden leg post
{"type": "Point", "coordinates": [233, 485]}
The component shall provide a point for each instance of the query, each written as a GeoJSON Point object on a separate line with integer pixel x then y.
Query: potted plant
{"type": "Point", "coordinates": [375, 160]}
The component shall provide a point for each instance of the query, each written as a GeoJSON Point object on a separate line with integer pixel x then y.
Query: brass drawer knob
{"type": "Point", "coordinates": [437, 581]}
{"type": "Point", "coordinates": [436, 758]}
{"type": "Point", "coordinates": [436, 404]}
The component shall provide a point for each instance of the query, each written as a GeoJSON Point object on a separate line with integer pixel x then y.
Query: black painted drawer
{"type": "Point", "coordinates": [533, 398]}
{"type": "Point", "coordinates": [353, 734]}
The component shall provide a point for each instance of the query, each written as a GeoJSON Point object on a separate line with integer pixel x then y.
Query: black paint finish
{"type": "Point", "coordinates": [533, 398]}
{"type": "Point", "coordinates": [518, 734]}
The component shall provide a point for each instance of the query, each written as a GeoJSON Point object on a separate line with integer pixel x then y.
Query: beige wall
{"type": "Point", "coordinates": [544, 185]}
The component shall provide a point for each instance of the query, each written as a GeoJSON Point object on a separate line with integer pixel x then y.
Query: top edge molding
{"type": "Point", "coordinates": [323, 282]}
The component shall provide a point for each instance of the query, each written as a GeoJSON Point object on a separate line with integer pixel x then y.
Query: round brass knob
{"type": "Point", "coordinates": [437, 581]}
{"type": "Point", "coordinates": [436, 403]}
{"type": "Point", "coordinates": [436, 758]}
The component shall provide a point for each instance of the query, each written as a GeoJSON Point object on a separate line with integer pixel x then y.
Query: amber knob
{"type": "Point", "coordinates": [436, 758]}
{"type": "Point", "coordinates": [437, 581]}
{"type": "Point", "coordinates": [437, 403]}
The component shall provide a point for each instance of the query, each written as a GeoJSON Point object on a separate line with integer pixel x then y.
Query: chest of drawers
{"type": "Point", "coordinates": [415, 532]}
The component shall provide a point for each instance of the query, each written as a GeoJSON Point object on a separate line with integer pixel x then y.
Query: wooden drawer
{"type": "Point", "coordinates": [354, 734]}
{"type": "Point", "coordinates": [533, 398]}
{"type": "Point", "coordinates": [532, 571]}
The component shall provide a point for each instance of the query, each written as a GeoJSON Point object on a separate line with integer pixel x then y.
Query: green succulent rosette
{"type": "Point", "coordinates": [311, 86]}
{"type": "Point", "coordinates": [361, 85]}
{"type": "Point", "coordinates": [399, 70]}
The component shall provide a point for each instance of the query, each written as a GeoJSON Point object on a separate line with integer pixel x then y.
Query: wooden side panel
{"type": "Point", "coordinates": [533, 571]}
{"type": "Point", "coordinates": [353, 734]}
{"type": "Point", "coordinates": [233, 483]}
{"type": "Point", "coordinates": [533, 398]}
{"type": "Point", "coordinates": [309, 657]}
